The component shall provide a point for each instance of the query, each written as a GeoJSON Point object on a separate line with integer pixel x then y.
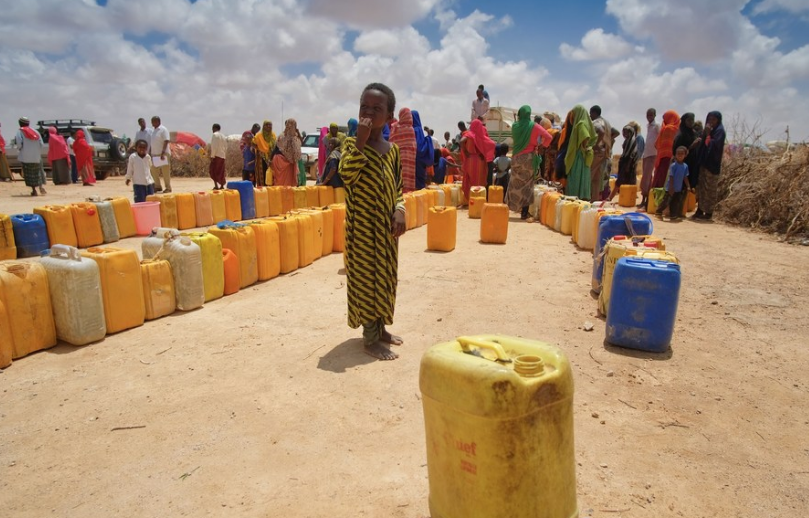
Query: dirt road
{"type": "Point", "coordinates": [263, 404]}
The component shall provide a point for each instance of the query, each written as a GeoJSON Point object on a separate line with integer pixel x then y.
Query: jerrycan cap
{"type": "Point", "coordinates": [529, 366]}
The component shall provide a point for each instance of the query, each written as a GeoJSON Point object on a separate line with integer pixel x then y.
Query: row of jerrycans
{"type": "Point", "coordinates": [89, 223]}
{"type": "Point", "coordinates": [205, 208]}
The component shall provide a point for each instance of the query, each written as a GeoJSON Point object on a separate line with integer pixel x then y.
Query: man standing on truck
{"type": "Point", "coordinates": [30, 144]}
{"type": "Point", "coordinates": [480, 107]}
{"type": "Point", "coordinates": [160, 153]}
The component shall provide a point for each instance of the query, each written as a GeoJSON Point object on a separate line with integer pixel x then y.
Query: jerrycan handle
{"type": "Point", "coordinates": [70, 252]}
{"type": "Point", "coordinates": [466, 341]}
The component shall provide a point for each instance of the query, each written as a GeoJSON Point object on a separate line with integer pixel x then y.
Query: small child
{"type": "Point", "coordinates": [502, 168]}
{"type": "Point", "coordinates": [331, 173]}
{"type": "Point", "coordinates": [675, 195]}
{"type": "Point", "coordinates": [138, 170]}
{"type": "Point", "coordinates": [440, 165]}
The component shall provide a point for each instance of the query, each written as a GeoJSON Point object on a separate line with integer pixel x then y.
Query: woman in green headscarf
{"type": "Point", "coordinates": [581, 136]}
{"type": "Point", "coordinates": [526, 135]}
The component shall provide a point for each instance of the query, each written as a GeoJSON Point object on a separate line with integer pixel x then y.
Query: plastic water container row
{"type": "Point", "coordinates": [118, 291]}
{"type": "Point", "coordinates": [636, 278]}
{"type": "Point", "coordinates": [97, 222]}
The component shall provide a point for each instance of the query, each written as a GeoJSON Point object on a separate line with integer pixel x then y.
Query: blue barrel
{"type": "Point", "coordinates": [629, 224]}
{"type": "Point", "coordinates": [643, 304]}
{"type": "Point", "coordinates": [247, 197]}
{"type": "Point", "coordinates": [30, 234]}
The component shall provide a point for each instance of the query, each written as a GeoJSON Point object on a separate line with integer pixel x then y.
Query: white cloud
{"type": "Point", "coordinates": [597, 45]}
{"type": "Point", "coordinates": [394, 42]}
{"type": "Point", "coordinates": [688, 30]}
{"type": "Point", "coordinates": [759, 62]}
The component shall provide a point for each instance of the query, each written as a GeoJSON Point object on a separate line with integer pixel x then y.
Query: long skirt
{"type": "Point", "coordinates": [284, 171]}
{"type": "Point", "coordinates": [578, 178]}
{"type": "Point", "coordinates": [597, 173]}
{"type": "Point", "coordinates": [32, 175]}
{"type": "Point", "coordinates": [706, 191]}
{"type": "Point", "coordinates": [60, 172]}
{"type": "Point", "coordinates": [661, 172]}
{"type": "Point", "coordinates": [474, 173]}
{"type": "Point", "coordinates": [217, 170]}
{"type": "Point", "coordinates": [88, 173]}
{"type": "Point", "coordinates": [521, 184]}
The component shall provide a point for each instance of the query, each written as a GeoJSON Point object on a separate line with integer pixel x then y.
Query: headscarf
{"type": "Point", "coordinates": [403, 131]}
{"type": "Point", "coordinates": [82, 150]}
{"type": "Point", "coordinates": [352, 127]}
{"type": "Point", "coordinates": [714, 146]}
{"type": "Point", "coordinates": [522, 129]}
{"type": "Point", "coordinates": [265, 140]}
{"type": "Point", "coordinates": [247, 139]}
{"type": "Point", "coordinates": [579, 132]}
{"type": "Point", "coordinates": [480, 137]}
{"type": "Point", "coordinates": [630, 146]}
{"type": "Point", "coordinates": [57, 147]}
{"type": "Point", "coordinates": [288, 143]}
{"type": "Point", "coordinates": [668, 131]}
{"type": "Point", "coordinates": [563, 132]}
{"type": "Point", "coordinates": [685, 136]}
{"type": "Point", "coordinates": [545, 123]}
{"type": "Point", "coordinates": [2, 143]}
{"type": "Point", "coordinates": [424, 144]}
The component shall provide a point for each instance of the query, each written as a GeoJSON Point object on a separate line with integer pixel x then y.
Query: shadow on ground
{"type": "Point", "coordinates": [344, 356]}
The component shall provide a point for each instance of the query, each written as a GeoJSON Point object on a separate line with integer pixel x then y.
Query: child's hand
{"type": "Point", "coordinates": [363, 132]}
{"type": "Point", "coordinates": [398, 226]}
{"type": "Point", "coordinates": [127, 182]}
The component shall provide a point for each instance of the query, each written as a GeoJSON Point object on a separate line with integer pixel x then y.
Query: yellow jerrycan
{"type": "Point", "coordinates": [498, 416]}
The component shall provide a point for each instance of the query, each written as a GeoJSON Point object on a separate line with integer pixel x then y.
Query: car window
{"type": "Point", "coordinates": [311, 141]}
{"type": "Point", "coordinates": [104, 137]}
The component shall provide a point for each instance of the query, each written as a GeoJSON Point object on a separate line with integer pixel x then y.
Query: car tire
{"type": "Point", "coordinates": [118, 149]}
{"type": "Point", "coordinates": [101, 174]}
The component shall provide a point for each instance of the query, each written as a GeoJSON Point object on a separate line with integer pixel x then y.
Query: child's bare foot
{"type": "Point", "coordinates": [380, 351]}
{"type": "Point", "coordinates": [390, 339]}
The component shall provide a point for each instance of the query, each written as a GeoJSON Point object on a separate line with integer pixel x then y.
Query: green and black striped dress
{"type": "Point", "coordinates": [373, 184]}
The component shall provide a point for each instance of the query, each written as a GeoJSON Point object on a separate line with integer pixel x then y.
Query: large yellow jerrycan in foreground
{"type": "Point", "coordinates": [498, 414]}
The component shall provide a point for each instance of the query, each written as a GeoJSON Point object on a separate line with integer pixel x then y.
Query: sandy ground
{"type": "Point", "coordinates": [262, 403]}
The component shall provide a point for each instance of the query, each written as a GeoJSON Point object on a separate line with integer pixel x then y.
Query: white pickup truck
{"type": "Point", "coordinates": [109, 151]}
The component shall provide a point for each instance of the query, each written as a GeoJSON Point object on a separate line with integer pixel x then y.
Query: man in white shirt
{"type": "Point", "coordinates": [218, 148]}
{"type": "Point", "coordinates": [138, 171]}
{"type": "Point", "coordinates": [480, 107]}
{"type": "Point", "coordinates": [143, 133]}
{"type": "Point", "coordinates": [649, 155]}
{"type": "Point", "coordinates": [160, 153]}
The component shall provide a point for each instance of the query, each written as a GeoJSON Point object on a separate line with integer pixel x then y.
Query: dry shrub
{"type": "Point", "coordinates": [766, 191]}
{"type": "Point", "coordinates": [188, 162]}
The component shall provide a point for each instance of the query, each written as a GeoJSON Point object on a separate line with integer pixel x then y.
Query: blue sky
{"type": "Point", "coordinates": [239, 62]}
